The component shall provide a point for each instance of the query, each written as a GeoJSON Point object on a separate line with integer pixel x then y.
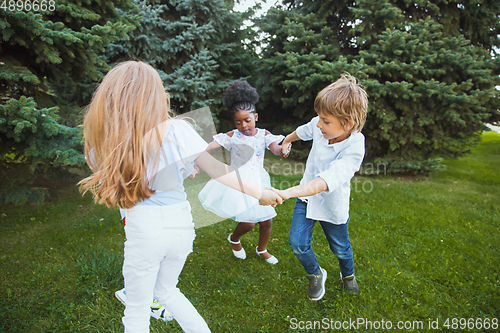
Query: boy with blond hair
{"type": "Point", "coordinates": [323, 194]}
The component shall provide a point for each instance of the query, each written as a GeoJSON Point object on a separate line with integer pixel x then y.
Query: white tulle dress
{"type": "Point", "coordinates": [247, 157]}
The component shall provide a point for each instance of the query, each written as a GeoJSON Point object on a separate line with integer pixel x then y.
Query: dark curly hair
{"type": "Point", "coordinates": [240, 96]}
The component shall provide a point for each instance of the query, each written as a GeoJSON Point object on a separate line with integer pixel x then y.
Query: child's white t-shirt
{"type": "Point", "coordinates": [180, 147]}
{"type": "Point", "coordinates": [336, 163]}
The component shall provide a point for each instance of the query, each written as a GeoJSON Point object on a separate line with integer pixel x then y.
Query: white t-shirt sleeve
{"type": "Point", "coordinates": [190, 142]}
{"type": "Point", "coordinates": [305, 132]}
{"type": "Point", "coordinates": [224, 140]}
{"type": "Point", "coordinates": [271, 138]}
{"type": "Point", "coordinates": [180, 147]}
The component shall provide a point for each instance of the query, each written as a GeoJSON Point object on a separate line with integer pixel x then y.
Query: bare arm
{"type": "Point", "coordinates": [227, 176]}
{"type": "Point", "coordinates": [212, 146]}
{"type": "Point", "coordinates": [286, 144]}
{"type": "Point", "coordinates": [312, 187]}
{"type": "Point", "coordinates": [275, 148]}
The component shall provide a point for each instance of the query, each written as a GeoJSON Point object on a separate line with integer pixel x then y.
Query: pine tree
{"type": "Point", "coordinates": [430, 87]}
{"type": "Point", "coordinates": [426, 96]}
{"type": "Point", "coordinates": [195, 46]}
{"type": "Point", "coordinates": [308, 47]}
{"type": "Point", "coordinates": [41, 49]}
{"type": "Point", "coordinates": [32, 142]}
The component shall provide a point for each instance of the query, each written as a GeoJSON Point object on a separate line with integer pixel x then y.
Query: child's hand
{"type": "Point", "coordinates": [285, 149]}
{"type": "Point", "coordinates": [282, 193]}
{"type": "Point", "coordinates": [196, 172]}
{"type": "Point", "coordinates": [270, 198]}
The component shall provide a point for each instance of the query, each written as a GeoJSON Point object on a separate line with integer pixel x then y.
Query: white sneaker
{"type": "Point", "coordinates": [157, 310]}
{"type": "Point", "coordinates": [121, 295]}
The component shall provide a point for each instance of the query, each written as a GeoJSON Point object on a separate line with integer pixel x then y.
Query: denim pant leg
{"type": "Point", "coordinates": [338, 238]}
{"type": "Point", "coordinates": [300, 238]}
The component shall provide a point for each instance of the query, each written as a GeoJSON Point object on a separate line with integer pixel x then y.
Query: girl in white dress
{"type": "Point", "coordinates": [247, 145]}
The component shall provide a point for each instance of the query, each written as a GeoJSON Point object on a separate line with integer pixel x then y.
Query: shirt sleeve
{"type": "Point", "coordinates": [224, 140]}
{"type": "Point", "coordinates": [271, 138]}
{"type": "Point", "coordinates": [180, 147]}
{"type": "Point", "coordinates": [305, 132]}
{"type": "Point", "coordinates": [343, 169]}
{"type": "Point", "coordinates": [191, 144]}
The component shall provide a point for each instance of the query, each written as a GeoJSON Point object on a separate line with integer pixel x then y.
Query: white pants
{"type": "Point", "coordinates": [159, 239]}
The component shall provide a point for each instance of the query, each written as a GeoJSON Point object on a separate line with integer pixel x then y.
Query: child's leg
{"type": "Point", "coordinates": [157, 236]}
{"type": "Point", "coordinates": [338, 238]}
{"type": "Point", "coordinates": [166, 290]}
{"type": "Point", "coordinates": [241, 229]}
{"type": "Point", "coordinates": [140, 268]}
{"type": "Point", "coordinates": [265, 228]}
{"type": "Point", "coordinates": [300, 238]}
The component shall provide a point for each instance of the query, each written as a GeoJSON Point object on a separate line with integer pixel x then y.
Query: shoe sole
{"type": "Point", "coordinates": [323, 284]}
{"type": "Point", "coordinates": [119, 295]}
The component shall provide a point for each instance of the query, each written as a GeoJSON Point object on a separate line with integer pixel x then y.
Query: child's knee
{"type": "Point", "coordinates": [293, 247]}
{"type": "Point", "coordinates": [343, 253]}
{"type": "Point", "coordinates": [297, 248]}
{"type": "Point", "coordinates": [163, 295]}
{"type": "Point", "coordinates": [266, 225]}
{"type": "Point", "coordinates": [246, 227]}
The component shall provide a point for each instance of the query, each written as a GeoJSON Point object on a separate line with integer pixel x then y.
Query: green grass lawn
{"type": "Point", "coordinates": [425, 249]}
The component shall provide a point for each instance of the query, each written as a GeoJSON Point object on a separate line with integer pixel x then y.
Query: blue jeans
{"type": "Point", "coordinates": [336, 234]}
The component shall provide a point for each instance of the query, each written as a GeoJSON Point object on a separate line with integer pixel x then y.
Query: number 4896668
{"type": "Point", "coordinates": [471, 323]}
{"type": "Point", "coordinates": [28, 6]}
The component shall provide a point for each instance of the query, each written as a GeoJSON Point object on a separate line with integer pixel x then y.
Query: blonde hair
{"type": "Point", "coordinates": [122, 135]}
{"type": "Point", "coordinates": [345, 100]}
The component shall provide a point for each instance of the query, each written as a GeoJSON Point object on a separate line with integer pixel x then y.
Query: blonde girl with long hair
{"type": "Point", "coordinates": [139, 157]}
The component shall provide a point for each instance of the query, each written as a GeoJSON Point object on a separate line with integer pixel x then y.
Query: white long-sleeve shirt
{"type": "Point", "coordinates": [336, 163]}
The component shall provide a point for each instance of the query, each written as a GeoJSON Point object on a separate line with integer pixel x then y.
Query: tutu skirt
{"type": "Point", "coordinates": [229, 203]}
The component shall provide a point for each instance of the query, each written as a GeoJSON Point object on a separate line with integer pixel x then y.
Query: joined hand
{"type": "Point", "coordinates": [282, 193]}
{"type": "Point", "coordinates": [195, 172]}
{"type": "Point", "coordinates": [270, 198]}
{"type": "Point", "coordinates": [285, 149]}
